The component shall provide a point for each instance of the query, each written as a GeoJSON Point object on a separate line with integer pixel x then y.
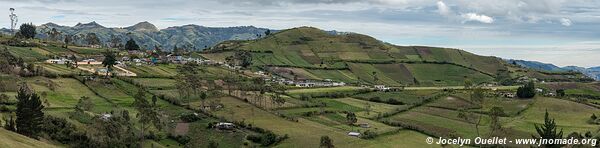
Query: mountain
{"type": "Point", "coordinates": [148, 36]}
{"type": "Point", "coordinates": [143, 26]}
{"type": "Point", "coordinates": [537, 65]}
{"type": "Point", "coordinates": [593, 72]}
{"type": "Point", "coordinates": [311, 53]}
{"type": "Point", "coordinates": [5, 31]}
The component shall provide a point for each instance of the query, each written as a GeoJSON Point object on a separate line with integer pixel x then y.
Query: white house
{"type": "Point", "coordinates": [225, 126]}
{"type": "Point", "coordinates": [381, 87]}
{"type": "Point", "coordinates": [59, 61]}
{"type": "Point", "coordinates": [355, 134]}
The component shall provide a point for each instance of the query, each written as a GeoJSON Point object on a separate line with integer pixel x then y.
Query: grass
{"type": "Point", "coordinates": [316, 91]}
{"type": "Point", "coordinates": [568, 115]}
{"type": "Point", "coordinates": [59, 69]}
{"type": "Point", "coordinates": [406, 97]}
{"type": "Point", "coordinates": [154, 83]}
{"type": "Point", "coordinates": [11, 139]}
{"type": "Point", "coordinates": [402, 138]}
{"type": "Point", "coordinates": [376, 108]}
{"type": "Point", "coordinates": [338, 120]}
{"type": "Point", "coordinates": [201, 136]}
{"type": "Point", "coordinates": [163, 70]}
{"type": "Point", "coordinates": [444, 75]}
{"type": "Point", "coordinates": [365, 73]}
{"type": "Point", "coordinates": [331, 105]}
{"type": "Point", "coordinates": [336, 75]}
{"type": "Point", "coordinates": [87, 50]}
{"type": "Point", "coordinates": [67, 93]}
{"type": "Point", "coordinates": [304, 132]}
{"type": "Point", "coordinates": [27, 53]}
{"type": "Point", "coordinates": [453, 102]}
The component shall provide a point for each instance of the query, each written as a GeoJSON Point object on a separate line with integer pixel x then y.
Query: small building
{"type": "Point", "coordinates": [364, 125]}
{"type": "Point", "coordinates": [105, 116]}
{"type": "Point", "coordinates": [508, 94]}
{"type": "Point", "coordinates": [59, 61]}
{"type": "Point", "coordinates": [354, 134]}
{"type": "Point", "coordinates": [102, 70]}
{"type": "Point", "coordinates": [381, 88]}
{"type": "Point", "coordinates": [125, 59]}
{"type": "Point", "coordinates": [225, 126]}
{"type": "Point", "coordinates": [539, 90]}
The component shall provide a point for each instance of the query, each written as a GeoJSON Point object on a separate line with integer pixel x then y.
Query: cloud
{"type": "Point", "coordinates": [566, 22]}
{"type": "Point", "coordinates": [477, 17]}
{"type": "Point", "coordinates": [443, 9]}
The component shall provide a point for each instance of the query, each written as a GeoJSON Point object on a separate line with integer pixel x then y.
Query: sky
{"type": "Point", "coordinates": [561, 32]}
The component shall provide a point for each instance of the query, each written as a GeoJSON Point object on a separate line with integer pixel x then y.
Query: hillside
{"type": "Point", "coordinates": [148, 36]}
{"type": "Point", "coordinates": [593, 72]}
{"type": "Point", "coordinates": [10, 139]}
{"type": "Point", "coordinates": [310, 53]}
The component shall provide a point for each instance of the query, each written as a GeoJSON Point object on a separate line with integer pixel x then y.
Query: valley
{"type": "Point", "coordinates": [289, 88]}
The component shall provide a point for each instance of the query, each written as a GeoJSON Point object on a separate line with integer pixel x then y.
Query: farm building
{"type": "Point", "coordinates": [326, 83]}
{"type": "Point", "coordinates": [225, 126]}
{"type": "Point", "coordinates": [59, 61]}
{"type": "Point", "coordinates": [354, 134]}
{"type": "Point", "coordinates": [381, 87]}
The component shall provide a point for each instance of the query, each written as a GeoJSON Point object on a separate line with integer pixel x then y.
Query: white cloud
{"type": "Point", "coordinates": [566, 22]}
{"type": "Point", "coordinates": [477, 17]}
{"type": "Point", "coordinates": [443, 9]}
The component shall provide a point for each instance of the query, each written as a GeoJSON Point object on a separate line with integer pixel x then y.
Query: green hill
{"type": "Point", "coordinates": [357, 57]}
{"type": "Point", "coordinates": [10, 139]}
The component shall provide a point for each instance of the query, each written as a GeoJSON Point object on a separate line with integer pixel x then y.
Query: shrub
{"type": "Point", "coordinates": [180, 139]}
{"type": "Point", "coordinates": [394, 102]}
{"type": "Point", "coordinates": [526, 91]}
{"type": "Point", "coordinates": [368, 134]}
{"type": "Point", "coordinates": [191, 117]}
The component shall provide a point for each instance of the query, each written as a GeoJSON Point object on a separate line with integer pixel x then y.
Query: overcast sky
{"type": "Point", "coordinates": [562, 32]}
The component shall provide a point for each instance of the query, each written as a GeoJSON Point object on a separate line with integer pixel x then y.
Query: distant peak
{"type": "Point", "coordinates": [50, 24]}
{"type": "Point", "coordinates": [143, 26]}
{"type": "Point", "coordinates": [92, 24]}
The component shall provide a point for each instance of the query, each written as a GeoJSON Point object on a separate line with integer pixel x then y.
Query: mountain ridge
{"type": "Point", "coordinates": [592, 72]}
{"type": "Point", "coordinates": [148, 36]}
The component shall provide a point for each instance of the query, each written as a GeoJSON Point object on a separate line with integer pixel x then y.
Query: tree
{"type": "Point", "coordinates": [189, 81]}
{"type": "Point", "coordinates": [109, 61]}
{"type": "Point", "coordinates": [326, 142]}
{"type": "Point", "coordinates": [351, 118]}
{"type": "Point", "coordinates": [368, 108]}
{"type": "Point", "coordinates": [468, 83]}
{"type": "Point", "coordinates": [375, 78]}
{"type": "Point", "coordinates": [267, 32]}
{"type": "Point", "coordinates": [68, 39]}
{"type": "Point", "coordinates": [26, 31]}
{"type": "Point", "coordinates": [560, 92]}
{"type": "Point", "coordinates": [495, 113]}
{"type": "Point", "coordinates": [92, 39]}
{"type": "Point", "coordinates": [243, 58]}
{"type": "Point", "coordinates": [548, 130]}
{"type": "Point", "coordinates": [526, 91]}
{"type": "Point", "coordinates": [131, 45]}
{"type": "Point", "coordinates": [29, 112]}
{"type": "Point", "coordinates": [477, 96]}
{"type": "Point", "coordinates": [115, 41]}
{"type": "Point", "coordinates": [177, 51]}
{"type": "Point", "coordinates": [148, 114]}
{"type": "Point", "coordinates": [85, 104]}
{"type": "Point", "coordinates": [203, 99]}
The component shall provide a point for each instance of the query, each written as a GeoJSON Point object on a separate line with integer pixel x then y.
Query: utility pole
{"type": "Point", "coordinates": [13, 20]}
